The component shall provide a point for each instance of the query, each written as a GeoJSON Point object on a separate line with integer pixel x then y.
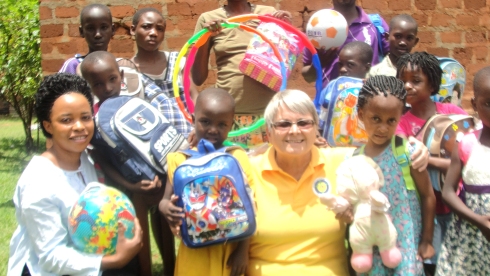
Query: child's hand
{"type": "Point", "coordinates": [425, 251]}
{"type": "Point", "coordinates": [214, 27]}
{"type": "Point", "coordinates": [484, 226]}
{"type": "Point", "coordinates": [148, 186]}
{"type": "Point", "coordinates": [192, 139]}
{"type": "Point", "coordinates": [238, 261]}
{"type": "Point", "coordinates": [420, 156]}
{"type": "Point", "coordinates": [346, 216]}
{"type": "Point", "coordinates": [172, 214]}
{"type": "Point", "coordinates": [284, 16]}
{"type": "Point", "coordinates": [321, 142]}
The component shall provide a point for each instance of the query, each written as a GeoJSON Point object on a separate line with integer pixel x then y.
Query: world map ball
{"type": "Point", "coordinates": [326, 29]}
{"type": "Point", "coordinates": [93, 219]}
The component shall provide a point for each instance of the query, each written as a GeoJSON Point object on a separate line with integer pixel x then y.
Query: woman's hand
{"type": "Point", "coordinates": [172, 214]}
{"type": "Point", "coordinates": [420, 156]}
{"type": "Point", "coordinates": [214, 27]}
{"type": "Point", "coordinates": [346, 216]}
{"type": "Point", "coordinates": [126, 248]}
{"type": "Point", "coordinates": [425, 251]}
{"type": "Point", "coordinates": [284, 16]}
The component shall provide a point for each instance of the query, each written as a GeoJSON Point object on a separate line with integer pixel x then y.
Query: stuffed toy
{"type": "Point", "coordinates": [358, 181]}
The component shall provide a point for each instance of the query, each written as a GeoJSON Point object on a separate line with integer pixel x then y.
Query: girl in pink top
{"type": "Point", "coordinates": [422, 74]}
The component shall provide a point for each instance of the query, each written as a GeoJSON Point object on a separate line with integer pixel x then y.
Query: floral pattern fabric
{"type": "Point", "coordinates": [406, 214]}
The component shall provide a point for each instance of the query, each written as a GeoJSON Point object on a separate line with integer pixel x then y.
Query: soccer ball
{"type": "Point", "coordinates": [93, 219]}
{"type": "Point", "coordinates": [327, 29]}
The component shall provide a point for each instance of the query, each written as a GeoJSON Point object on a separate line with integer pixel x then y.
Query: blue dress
{"type": "Point", "coordinates": [406, 215]}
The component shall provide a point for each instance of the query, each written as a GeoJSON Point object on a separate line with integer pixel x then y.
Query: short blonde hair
{"type": "Point", "coordinates": [295, 100]}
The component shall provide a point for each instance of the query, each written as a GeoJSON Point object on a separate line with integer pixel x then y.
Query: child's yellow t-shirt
{"type": "Point", "coordinates": [210, 260]}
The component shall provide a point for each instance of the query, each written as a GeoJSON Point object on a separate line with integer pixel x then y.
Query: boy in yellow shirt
{"type": "Point", "coordinates": [212, 119]}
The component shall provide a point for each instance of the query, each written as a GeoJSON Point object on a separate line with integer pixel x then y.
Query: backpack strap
{"type": "Point", "coordinates": [402, 156]}
{"type": "Point", "coordinates": [466, 145]}
{"type": "Point", "coordinates": [358, 151]}
{"type": "Point", "coordinates": [378, 23]}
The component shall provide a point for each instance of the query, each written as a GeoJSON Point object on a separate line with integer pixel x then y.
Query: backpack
{"type": "Point", "coordinates": [439, 135]}
{"type": "Point", "coordinates": [452, 83]}
{"type": "Point", "coordinates": [378, 24]}
{"type": "Point", "coordinates": [215, 196]}
{"type": "Point", "coordinates": [341, 126]}
{"type": "Point", "coordinates": [402, 151]}
{"type": "Point", "coordinates": [138, 135]}
{"type": "Point", "coordinates": [131, 84]}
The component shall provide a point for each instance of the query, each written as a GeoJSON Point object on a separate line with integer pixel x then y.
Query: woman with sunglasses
{"type": "Point", "coordinates": [296, 235]}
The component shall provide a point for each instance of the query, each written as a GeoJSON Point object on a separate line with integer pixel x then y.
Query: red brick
{"type": "Point", "coordinates": [450, 3]}
{"type": "Point", "coordinates": [473, 37]}
{"type": "Point", "coordinates": [319, 4]}
{"type": "Point", "coordinates": [46, 47]}
{"type": "Point", "coordinates": [421, 18]}
{"type": "Point", "coordinates": [52, 30]}
{"type": "Point", "coordinates": [293, 6]}
{"type": "Point", "coordinates": [179, 9]}
{"type": "Point", "coordinates": [425, 4]}
{"type": "Point", "coordinates": [45, 13]}
{"type": "Point", "coordinates": [467, 20]}
{"type": "Point", "coordinates": [480, 53]}
{"type": "Point", "coordinates": [73, 30]}
{"type": "Point", "coordinates": [439, 51]}
{"type": "Point", "coordinates": [52, 65]}
{"type": "Point", "coordinates": [474, 4]}
{"type": "Point", "coordinates": [121, 46]}
{"type": "Point", "coordinates": [69, 47]}
{"type": "Point", "coordinates": [399, 5]}
{"type": "Point", "coordinates": [201, 7]}
{"type": "Point", "coordinates": [451, 37]}
{"type": "Point", "coordinates": [66, 12]}
{"type": "Point", "coordinates": [426, 37]}
{"type": "Point", "coordinates": [122, 11]}
{"type": "Point", "coordinates": [122, 29]}
{"type": "Point", "coordinates": [440, 20]}
{"type": "Point", "coordinates": [177, 42]}
{"type": "Point", "coordinates": [155, 6]}
{"type": "Point", "coordinates": [462, 55]}
{"type": "Point", "coordinates": [375, 5]}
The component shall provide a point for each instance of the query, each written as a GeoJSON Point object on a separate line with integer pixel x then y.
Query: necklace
{"type": "Point", "coordinates": [252, 8]}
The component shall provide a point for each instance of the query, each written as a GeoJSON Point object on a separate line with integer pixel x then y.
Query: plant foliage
{"type": "Point", "coordinates": [20, 59]}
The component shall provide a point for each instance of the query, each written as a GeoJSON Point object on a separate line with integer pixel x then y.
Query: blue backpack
{"type": "Point", "coordinates": [135, 137]}
{"type": "Point", "coordinates": [338, 117]}
{"type": "Point", "coordinates": [378, 23]}
{"type": "Point", "coordinates": [452, 82]}
{"type": "Point", "coordinates": [215, 196]}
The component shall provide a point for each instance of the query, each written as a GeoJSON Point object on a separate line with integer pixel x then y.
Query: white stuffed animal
{"type": "Point", "coordinates": [358, 181]}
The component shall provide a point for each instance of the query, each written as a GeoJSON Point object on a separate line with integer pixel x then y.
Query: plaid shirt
{"type": "Point", "coordinates": [160, 97]}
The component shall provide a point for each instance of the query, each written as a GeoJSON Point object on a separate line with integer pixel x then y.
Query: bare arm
{"type": "Point", "coordinates": [172, 213]}
{"type": "Point", "coordinates": [428, 202]}
{"type": "Point", "coordinates": [238, 259]}
{"type": "Point", "coordinates": [441, 164]}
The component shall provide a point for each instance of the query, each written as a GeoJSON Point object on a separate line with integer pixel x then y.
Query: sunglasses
{"type": "Point", "coordinates": [301, 124]}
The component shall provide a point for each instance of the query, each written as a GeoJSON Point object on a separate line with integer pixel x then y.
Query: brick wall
{"type": "Point", "coordinates": [455, 28]}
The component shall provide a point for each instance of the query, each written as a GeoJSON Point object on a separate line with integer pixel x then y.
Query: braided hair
{"type": "Point", "coordinates": [424, 61]}
{"type": "Point", "coordinates": [377, 85]}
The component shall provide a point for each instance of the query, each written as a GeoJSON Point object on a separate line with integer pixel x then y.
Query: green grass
{"type": "Point", "coordinates": [13, 159]}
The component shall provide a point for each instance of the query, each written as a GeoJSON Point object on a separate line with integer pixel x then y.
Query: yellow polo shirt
{"type": "Point", "coordinates": [296, 235]}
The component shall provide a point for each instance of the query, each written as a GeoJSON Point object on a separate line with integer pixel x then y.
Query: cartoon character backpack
{"type": "Point", "coordinates": [341, 125]}
{"type": "Point", "coordinates": [138, 137]}
{"type": "Point", "coordinates": [215, 196]}
{"type": "Point", "coordinates": [452, 83]}
{"type": "Point", "coordinates": [439, 135]}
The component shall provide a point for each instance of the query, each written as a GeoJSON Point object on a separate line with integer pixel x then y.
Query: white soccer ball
{"type": "Point", "coordinates": [327, 29]}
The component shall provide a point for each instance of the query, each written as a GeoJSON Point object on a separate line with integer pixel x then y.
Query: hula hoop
{"type": "Point", "coordinates": [198, 40]}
